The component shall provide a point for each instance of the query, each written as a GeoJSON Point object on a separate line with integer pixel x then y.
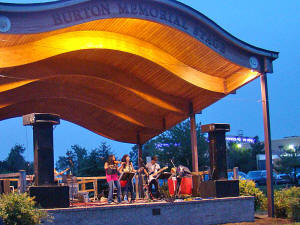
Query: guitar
{"type": "Point", "coordinates": [60, 173]}
{"type": "Point", "coordinates": [156, 174]}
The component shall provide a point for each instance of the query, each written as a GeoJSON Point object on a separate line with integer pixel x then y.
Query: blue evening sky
{"type": "Point", "coordinates": [269, 24]}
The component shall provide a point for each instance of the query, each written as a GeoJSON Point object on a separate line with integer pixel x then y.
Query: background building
{"type": "Point", "coordinates": [285, 143]}
{"type": "Point", "coordinates": [278, 147]}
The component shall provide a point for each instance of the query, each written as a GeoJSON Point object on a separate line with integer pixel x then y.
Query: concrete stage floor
{"type": "Point", "coordinates": [195, 212]}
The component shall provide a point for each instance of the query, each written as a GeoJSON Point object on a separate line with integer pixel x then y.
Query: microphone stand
{"type": "Point", "coordinates": [146, 183]}
{"type": "Point", "coordinates": [175, 187]}
{"type": "Point", "coordinates": [72, 178]}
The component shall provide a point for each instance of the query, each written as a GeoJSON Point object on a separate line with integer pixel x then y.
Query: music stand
{"type": "Point", "coordinates": [126, 176]}
{"type": "Point", "coordinates": [164, 176]}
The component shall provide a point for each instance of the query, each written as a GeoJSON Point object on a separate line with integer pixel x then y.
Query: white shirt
{"type": "Point", "coordinates": [152, 168]}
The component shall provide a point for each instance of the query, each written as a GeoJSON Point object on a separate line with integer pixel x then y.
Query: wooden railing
{"type": "Point", "coordinates": [18, 177]}
{"type": "Point", "coordinates": [82, 181]}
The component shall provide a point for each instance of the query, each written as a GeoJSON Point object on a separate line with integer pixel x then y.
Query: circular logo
{"type": "Point", "coordinates": [4, 24]}
{"type": "Point", "coordinates": [253, 62]}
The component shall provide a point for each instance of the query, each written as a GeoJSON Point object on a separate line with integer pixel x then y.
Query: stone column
{"type": "Point", "coordinates": [46, 193]}
{"type": "Point", "coordinates": [219, 186]}
{"type": "Point", "coordinates": [43, 146]}
{"type": "Point", "coordinates": [217, 149]}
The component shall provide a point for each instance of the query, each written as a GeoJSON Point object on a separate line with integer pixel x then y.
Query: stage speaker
{"type": "Point", "coordinates": [219, 188]}
{"type": "Point", "coordinates": [50, 196]}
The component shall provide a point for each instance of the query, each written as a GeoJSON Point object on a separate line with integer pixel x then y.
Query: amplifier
{"type": "Point", "coordinates": [50, 196]}
{"type": "Point", "coordinates": [219, 188]}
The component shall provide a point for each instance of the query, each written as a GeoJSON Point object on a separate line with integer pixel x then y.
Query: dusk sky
{"type": "Point", "coordinates": [269, 24]}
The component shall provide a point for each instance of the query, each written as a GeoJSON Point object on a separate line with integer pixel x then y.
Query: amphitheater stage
{"type": "Point", "coordinates": [194, 212]}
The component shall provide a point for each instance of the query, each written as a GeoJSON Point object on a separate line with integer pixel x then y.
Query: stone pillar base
{"type": "Point", "coordinates": [219, 188]}
{"type": "Point", "coordinates": [50, 196]}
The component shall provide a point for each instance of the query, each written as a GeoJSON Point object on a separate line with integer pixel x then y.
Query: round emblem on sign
{"type": "Point", "coordinates": [253, 62]}
{"type": "Point", "coordinates": [4, 24]}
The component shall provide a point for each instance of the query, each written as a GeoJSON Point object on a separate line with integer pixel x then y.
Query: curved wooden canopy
{"type": "Point", "coordinates": [120, 68]}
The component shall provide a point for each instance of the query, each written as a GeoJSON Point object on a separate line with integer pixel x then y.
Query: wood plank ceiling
{"type": "Point", "coordinates": [116, 77]}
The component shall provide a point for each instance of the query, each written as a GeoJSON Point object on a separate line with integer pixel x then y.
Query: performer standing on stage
{"type": "Point", "coordinates": [112, 169]}
{"type": "Point", "coordinates": [127, 167]}
{"type": "Point", "coordinates": [152, 167]}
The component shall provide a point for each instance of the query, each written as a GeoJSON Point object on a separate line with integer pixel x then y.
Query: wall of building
{"type": "Point", "coordinates": [284, 143]}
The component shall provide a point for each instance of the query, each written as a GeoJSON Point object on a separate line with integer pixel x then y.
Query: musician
{"type": "Point", "coordinates": [180, 172]}
{"type": "Point", "coordinates": [152, 167]}
{"type": "Point", "coordinates": [56, 174]}
{"type": "Point", "coordinates": [127, 167]}
{"type": "Point", "coordinates": [111, 168]}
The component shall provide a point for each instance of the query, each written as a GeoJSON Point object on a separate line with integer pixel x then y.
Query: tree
{"type": "Point", "coordinates": [289, 161]}
{"type": "Point", "coordinates": [15, 160]}
{"type": "Point", "coordinates": [84, 163]}
{"type": "Point", "coordinates": [240, 157]}
{"type": "Point", "coordinates": [244, 158]}
{"type": "Point", "coordinates": [257, 147]}
{"type": "Point", "coordinates": [149, 149]}
{"type": "Point", "coordinates": [94, 163]}
{"type": "Point", "coordinates": [74, 159]}
{"type": "Point", "coordinates": [175, 144]}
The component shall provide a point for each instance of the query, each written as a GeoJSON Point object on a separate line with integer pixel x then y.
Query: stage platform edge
{"type": "Point", "coordinates": [196, 212]}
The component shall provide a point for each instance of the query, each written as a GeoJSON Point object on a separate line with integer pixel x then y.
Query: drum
{"type": "Point", "coordinates": [185, 186]}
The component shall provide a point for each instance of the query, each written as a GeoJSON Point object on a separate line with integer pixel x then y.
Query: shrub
{"type": "Point", "coordinates": [19, 209]}
{"type": "Point", "coordinates": [248, 188]}
{"type": "Point", "coordinates": [280, 204]}
{"type": "Point", "coordinates": [292, 192]}
{"type": "Point", "coordinates": [294, 209]}
{"type": "Point", "coordinates": [287, 203]}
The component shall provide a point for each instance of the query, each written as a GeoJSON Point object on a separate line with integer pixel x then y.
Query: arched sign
{"type": "Point", "coordinates": [38, 18]}
{"type": "Point", "coordinates": [134, 68]}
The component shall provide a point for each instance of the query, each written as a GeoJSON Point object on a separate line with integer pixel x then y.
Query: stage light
{"type": "Point", "coordinates": [239, 145]}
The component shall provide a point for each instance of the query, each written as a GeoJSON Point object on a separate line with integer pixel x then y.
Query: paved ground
{"type": "Point", "coordinates": [264, 220]}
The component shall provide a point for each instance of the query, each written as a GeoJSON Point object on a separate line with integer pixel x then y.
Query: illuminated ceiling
{"type": "Point", "coordinates": [119, 68]}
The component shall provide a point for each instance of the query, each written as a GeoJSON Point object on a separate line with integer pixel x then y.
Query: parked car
{"type": "Point", "coordinates": [258, 176]}
{"type": "Point", "coordinates": [293, 178]}
{"type": "Point", "coordinates": [283, 179]}
{"type": "Point", "coordinates": [242, 175]}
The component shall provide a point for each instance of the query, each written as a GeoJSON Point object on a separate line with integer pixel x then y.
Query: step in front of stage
{"type": "Point", "coordinates": [204, 212]}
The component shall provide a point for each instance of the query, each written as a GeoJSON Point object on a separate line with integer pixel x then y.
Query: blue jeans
{"type": "Point", "coordinates": [129, 187]}
{"type": "Point", "coordinates": [111, 185]}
